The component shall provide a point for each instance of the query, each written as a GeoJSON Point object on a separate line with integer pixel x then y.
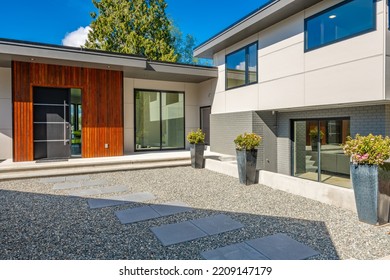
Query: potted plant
{"type": "Point", "coordinates": [313, 133]}
{"type": "Point", "coordinates": [196, 140]}
{"type": "Point", "coordinates": [370, 175]}
{"type": "Point", "coordinates": [246, 151]}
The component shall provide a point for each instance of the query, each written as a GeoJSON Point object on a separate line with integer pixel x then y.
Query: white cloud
{"type": "Point", "coordinates": [76, 38]}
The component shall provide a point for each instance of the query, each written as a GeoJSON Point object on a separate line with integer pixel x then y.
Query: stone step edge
{"type": "Point", "coordinates": [92, 163]}
{"type": "Point", "coordinates": [92, 169]}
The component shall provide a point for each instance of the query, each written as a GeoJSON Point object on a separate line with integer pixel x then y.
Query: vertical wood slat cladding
{"type": "Point", "coordinates": [102, 105]}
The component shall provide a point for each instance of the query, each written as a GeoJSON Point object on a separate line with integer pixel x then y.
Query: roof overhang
{"type": "Point", "coordinates": [261, 19]}
{"type": "Point", "coordinates": [132, 66]}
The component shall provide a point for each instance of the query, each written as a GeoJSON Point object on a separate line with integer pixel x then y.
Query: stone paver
{"type": "Point", "coordinates": [95, 203]}
{"type": "Point", "coordinates": [136, 214]}
{"type": "Point", "coordinates": [177, 233]}
{"type": "Point", "coordinates": [52, 180]}
{"type": "Point", "coordinates": [67, 185]}
{"type": "Point", "coordinates": [99, 191]}
{"type": "Point", "coordinates": [274, 247]}
{"type": "Point", "coordinates": [144, 213]}
{"type": "Point", "coordinates": [77, 178]}
{"type": "Point", "coordinates": [281, 247]}
{"type": "Point", "coordinates": [239, 251]}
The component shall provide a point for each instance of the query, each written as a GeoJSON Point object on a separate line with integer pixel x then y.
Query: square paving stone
{"type": "Point", "coordinates": [100, 190]}
{"type": "Point", "coordinates": [136, 214]}
{"type": "Point", "coordinates": [67, 185]}
{"type": "Point", "coordinates": [177, 233]}
{"type": "Point", "coordinates": [217, 224]}
{"type": "Point", "coordinates": [281, 247]}
{"type": "Point", "coordinates": [171, 208]}
{"type": "Point", "coordinates": [240, 251]}
{"type": "Point", "coordinates": [77, 178]}
{"type": "Point", "coordinates": [91, 183]}
{"type": "Point", "coordinates": [52, 180]}
{"type": "Point", "coordinates": [119, 200]}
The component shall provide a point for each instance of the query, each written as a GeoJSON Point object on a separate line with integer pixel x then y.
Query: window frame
{"type": "Point", "coordinates": [374, 28]}
{"type": "Point", "coordinates": [159, 92]}
{"type": "Point", "coordinates": [247, 83]}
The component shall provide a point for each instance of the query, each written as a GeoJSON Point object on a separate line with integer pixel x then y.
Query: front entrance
{"type": "Point", "coordinates": [55, 122]}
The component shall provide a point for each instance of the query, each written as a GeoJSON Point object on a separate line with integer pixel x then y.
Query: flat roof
{"type": "Point", "coordinates": [265, 16]}
{"type": "Point", "coordinates": [133, 66]}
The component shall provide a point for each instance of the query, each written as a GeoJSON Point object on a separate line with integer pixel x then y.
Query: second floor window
{"type": "Point", "coordinates": [241, 67]}
{"type": "Point", "coordinates": [342, 21]}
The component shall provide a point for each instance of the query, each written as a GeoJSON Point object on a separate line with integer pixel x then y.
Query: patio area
{"type": "Point", "coordinates": [94, 216]}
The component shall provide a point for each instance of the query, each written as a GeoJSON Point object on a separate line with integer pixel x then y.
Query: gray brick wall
{"type": "Point", "coordinates": [364, 120]}
{"type": "Point", "coordinates": [226, 127]}
{"type": "Point", "coordinates": [275, 151]}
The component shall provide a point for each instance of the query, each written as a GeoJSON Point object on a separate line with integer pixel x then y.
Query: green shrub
{"type": "Point", "coordinates": [196, 137]}
{"type": "Point", "coordinates": [247, 141]}
{"type": "Point", "coordinates": [370, 149]}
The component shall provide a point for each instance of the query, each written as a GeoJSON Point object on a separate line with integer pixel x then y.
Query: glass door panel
{"type": "Point", "coordinates": [172, 120]}
{"type": "Point", "coordinates": [317, 151]}
{"type": "Point", "coordinates": [305, 150]}
{"type": "Point", "coordinates": [147, 117]}
{"type": "Point", "coordinates": [334, 163]}
{"type": "Point", "coordinates": [75, 118]}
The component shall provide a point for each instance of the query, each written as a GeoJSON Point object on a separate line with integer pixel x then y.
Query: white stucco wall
{"type": "Point", "coordinates": [195, 96]}
{"type": "Point", "coordinates": [5, 114]}
{"type": "Point", "coordinates": [348, 71]}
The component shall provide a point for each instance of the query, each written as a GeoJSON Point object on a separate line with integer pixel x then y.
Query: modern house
{"type": "Point", "coordinates": [61, 102]}
{"type": "Point", "coordinates": [304, 74]}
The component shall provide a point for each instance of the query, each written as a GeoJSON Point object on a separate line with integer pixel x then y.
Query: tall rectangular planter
{"type": "Point", "coordinates": [197, 155]}
{"type": "Point", "coordinates": [371, 185]}
{"type": "Point", "coordinates": [246, 163]}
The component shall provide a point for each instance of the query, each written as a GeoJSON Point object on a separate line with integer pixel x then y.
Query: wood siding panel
{"type": "Point", "coordinates": [102, 105]}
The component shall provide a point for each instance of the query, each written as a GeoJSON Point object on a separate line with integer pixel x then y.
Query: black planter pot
{"type": "Point", "coordinates": [371, 185]}
{"type": "Point", "coordinates": [197, 152]}
{"type": "Point", "coordinates": [246, 163]}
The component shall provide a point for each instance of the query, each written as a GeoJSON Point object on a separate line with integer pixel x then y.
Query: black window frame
{"type": "Point", "coordinates": [368, 30]}
{"type": "Point", "coordinates": [247, 83]}
{"type": "Point", "coordinates": [135, 120]}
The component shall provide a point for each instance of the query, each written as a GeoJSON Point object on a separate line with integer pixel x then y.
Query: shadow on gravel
{"type": "Point", "coordinates": [37, 226]}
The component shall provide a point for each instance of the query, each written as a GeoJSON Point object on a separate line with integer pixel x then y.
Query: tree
{"type": "Point", "coordinates": [184, 48]}
{"type": "Point", "coordinates": [139, 27]}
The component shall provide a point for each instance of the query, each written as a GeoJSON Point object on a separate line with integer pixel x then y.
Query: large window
{"type": "Point", "coordinates": [241, 67]}
{"type": "Point", "coordinates": [347, 19]}
{"type": "Point", "coordinates": [159, 120]}
{"type": "Point", "coordinates": [318, 154]}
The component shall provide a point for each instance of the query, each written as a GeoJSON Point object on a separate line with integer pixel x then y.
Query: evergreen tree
{"type": "Point", "coordinates": [139, 27]}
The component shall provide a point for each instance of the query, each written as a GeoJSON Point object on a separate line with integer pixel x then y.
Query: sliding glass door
{"type": "Point", "coordinates": [317, 151]}
{"type": "Point", "coordinates": [159, 120]}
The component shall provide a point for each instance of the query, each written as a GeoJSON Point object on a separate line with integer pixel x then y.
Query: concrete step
{"type": "Point", "coordinates": [84, 166]}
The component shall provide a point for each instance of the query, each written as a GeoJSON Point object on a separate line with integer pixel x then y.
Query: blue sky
{"type": "Point", "coordinates": [48, 21]}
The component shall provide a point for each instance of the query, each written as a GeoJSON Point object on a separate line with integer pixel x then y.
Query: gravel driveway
{"type": "Point", "coordinates": [37, 222]}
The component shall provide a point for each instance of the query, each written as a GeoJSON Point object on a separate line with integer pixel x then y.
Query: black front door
{"type": "Point", "coordinates": [51, 123]}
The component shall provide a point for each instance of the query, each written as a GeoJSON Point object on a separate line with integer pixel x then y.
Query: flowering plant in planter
{"type": "Point", "coordinates": [370, 176]}
{"type": "Point", "coordinates": [246, 152]}
{"type": "Point", "coordinates": [196, 137]}
{"type": "Point", "coordinates": [370, 149]}
{"type": "Point", "coordinates": [247, 141]}
{"type": "Point", "coordinates": [196, 140]}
